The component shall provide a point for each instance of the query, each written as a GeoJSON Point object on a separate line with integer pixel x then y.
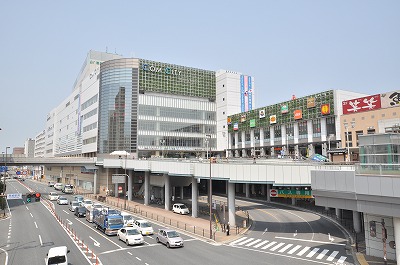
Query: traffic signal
{"type": "Point", "coordinates": [28, 197]}
{"type": "Point", "coordinates": [37, 196]}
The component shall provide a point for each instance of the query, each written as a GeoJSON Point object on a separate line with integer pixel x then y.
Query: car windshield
{"type": "Point", "coordinates": [79, 199]}
{"type": "Point", "coordinates": [183, 207]}
{"type": "Point", "coordinates": [75, 204]}
{"type": "Point", "coordinates": [115, 221]}
{"type": "Point", "coordinates": [62, 198]}
{"type": "Point", "coordinates": [132, 232]}
{"type": "Point", "coordinates": [128, 217]}
{"type": "Point", "coordinates": [172, 234]}
{"type": "Point", "coordinates": [56, 260]}
{"type": "Point", "coordinates": [87, 202]}
{"type": "Point", "coordinates": [145, 224]}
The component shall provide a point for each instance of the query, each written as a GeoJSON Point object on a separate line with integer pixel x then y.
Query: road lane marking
{"type": "Point", "coordinates": [27, 207]}
{"type": "Point", "coordinates": [40, 239]}
{"type": "Point", "coordinates": [254, 242]}
{"type": "Point", "coordinates": [307, 240]}
{"type": "Point", "coordinates": [304, 250]}
{"type": "Point", "coordinates": [65, 212]}
{"type": "Point", "coordinates": [342, 259]}
{"type": "Point", "coordinates": [262, 243]}
{"type": "Point", "coordinates": [238, 240]}
{"type": "Point", "coordinates": [285, 248]}
{"type": "Point", "coordinates": [69, 222]}
{"type": "Point", "coordinates": [312, 253]}
{"type": "Point", "coordinates": [129, 253]}
{"type": "Point", "coordinates": [245, 242]}
{"type": "Point", "coordinates": [277, 246]}
{"type": "Point", "coordinates": [322, 254]}
{"type": "Point", "coordinates": [270, 244]}
{"type": "Point", "coordinates": [138, 259]}
{"type": "Point", "coordinates": [332, 256]}
{"type": "Point", "coordinates": [122, 249]}
{"type": "Point", "coordinates": [266, 230]}
{"type": "Point", "coordinates": [97, 244]}
{"type": "Point", "coordinates": [293, 250]}
{"type": "Point", "coordinates": [35, 224]}
{"type": "Point", "coordinates": [31, 215]}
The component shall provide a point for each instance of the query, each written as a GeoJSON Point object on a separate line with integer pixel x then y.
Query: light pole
{"type": "Point", "coordinates": [208, 142]}
{"type": "Point", "coordinates": [126, 155]}
{"type": "Point", "coordinates": [162, 142]}
{"type": "Point", "coordinates": [346, 126]}
{"type": "Point", "coordinates": [120, 154]}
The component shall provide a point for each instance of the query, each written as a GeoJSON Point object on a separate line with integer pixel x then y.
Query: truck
{"type": "Point", "coordinates": [108, 222]}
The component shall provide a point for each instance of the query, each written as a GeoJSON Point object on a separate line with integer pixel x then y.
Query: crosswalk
{"type": "Point", "coordinates": [293, 249]}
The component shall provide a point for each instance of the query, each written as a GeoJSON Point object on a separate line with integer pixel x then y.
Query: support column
{"type": "Point", "coordinates": [357, 221]}
{"type": "Point", "coordinates": [116, 186]}
{"type": "Point", "coordinates": [338, 213]}
{"type": "Point", "coordinates": [247, 187]}
{"type": "Point", "coordinates": [268, 193]}
{"type": "Point", "coordinates": [173, 195]}
{"type": "Point", "coordinates": [253, 188]}
{"type": "Point", "coordinates": [293, 201]}
{"type": "Point", "coordinates": [167, 189]}
{"type": "Point", "coordinates": [95, 182]}
{"type": "Point", "coordinates": [195, 192]}
{"type": "Point", "coordinates": [396, 226]}
{"type": "Point", "coordinates": [231, 205]}
{"type": "Point", "coordinates": [181, 193]}
{"type": "Point", "coordinates": [263, 190]}
{"type": "Point", "coordinates": [146, 187]}
{"type": "Point", "coordinates": [130, 185]}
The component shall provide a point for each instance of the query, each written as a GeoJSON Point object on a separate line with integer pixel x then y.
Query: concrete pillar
{"type": "Point", "coordinates": [231, 205]}
{"type": "Point", "coordinates": [253, 189]}
{"type": "Point", "coordinates": [247, 187]}
{"type": "Point", "coordinates": [338, 213]}
{"type": "Point", "coordinates": [262, 189]}
{"type": "Point", "coordinates": [226, 188]}
{"type": "Point", "coordinates": [396, 226]}
{"type": "Point", "coordinates": [357, 221]}
{"type": "Point", "coordinates": [107, 180]}
{"type": "Point", "coordinates": [146, 187]}
{"type": "Point", "coordinates": [293, 201]}
{"type": "Point", "coordinates": [95, 183]}
{"type": "Point", "coordinates": [195, 192]}
{"type": "Point", "coordinates": [167, 190]}
{"type": "Point", "coordinates": [181, 192]}
{"type": "Point", "coordinates": [268, 193]}
{"type": "Point", "coordinates": [173, 195]}
{"type": "Point", "coordinates": [130, 184]}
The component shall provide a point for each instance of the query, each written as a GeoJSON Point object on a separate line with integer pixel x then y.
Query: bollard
{"type": "Point", "coordinates": [194, 229]}
{"type": "Point", "coordinates": [185, 226]}
{"type": "Point", "coordinates": [82, 244]}
{"type": "Point", "coordinates": [92, 255]}
{"type": "Point", "coordinates": [87, 249]}
{"type": "Point", "coordinates": [97, 261]}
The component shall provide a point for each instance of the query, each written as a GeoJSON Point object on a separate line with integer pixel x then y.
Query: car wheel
{"type": "Point", "coordinates": [157, 240]}
{"type": "Point", "coordinates": [168, 246]}
{"type": "Point", "coordinates": [127, 242]}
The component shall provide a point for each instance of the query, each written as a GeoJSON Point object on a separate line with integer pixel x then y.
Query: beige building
{"type": "Point", "coordinates": [378, 113]}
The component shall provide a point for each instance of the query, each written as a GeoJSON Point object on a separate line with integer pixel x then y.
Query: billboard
{"type": "Point", "coordinates": [246, 93]}
{"type": "Point", "coordinates": [362, 104]}
{"type": "Point", "coordinates": [390, 99]}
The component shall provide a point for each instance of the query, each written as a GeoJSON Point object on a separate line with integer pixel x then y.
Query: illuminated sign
{"type": "Point", "coordinates": [362, 104]}
{"type": "Point", "coordinates": [298, 114]}
{"type": "Point", "coordinates": [325, 109]}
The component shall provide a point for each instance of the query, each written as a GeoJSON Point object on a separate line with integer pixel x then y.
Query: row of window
{"type": "Point", "coordinates": [89, 102]}
{"type": "Point", "coordinates": [169, 112]}
{"type": "Point", "coordinates": [90, 127]}
{"type": "Point", "coordinates": [171, 141]}
{"type": "Point", "coordinates": [90, 114]}
{"type": "Point", "coordinates": [89, 140]}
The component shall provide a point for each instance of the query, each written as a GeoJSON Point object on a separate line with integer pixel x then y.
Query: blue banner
{"type": "Point", "coordinates": [250, 94]}
{"type": "Point", "coordinates": [2, 168]}
{"type": "Point", "coordinates": [242, 103]}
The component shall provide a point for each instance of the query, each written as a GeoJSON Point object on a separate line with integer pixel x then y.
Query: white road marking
{"type": "Point", "coordinates": [238, 240]}
{"type": "Point", "coordinates": [332, 256]}
{"type": "Point", "coordinates": [40, 239]}
{"type": "Point", "coordinates": [244, 242]}
{"type": "Point", "coordinates": [285, 248]}
{"type": "Point", "coordinates": [342, 259]}
{"type": "Point", "coordinates": [266, 230]}
{"type": "Point", "coordinates": [312, 253]}
{"type": "Point", "coordinates": [293, 250]}
{"type": "Point", "coordinates": [65, 212]}
{"type": "Point", "coordinates": [322, 254]}
{"type": "Point", "coordinates": [254, 242]}
{"type": "Point", "coordinates": [31, 215]}
{"type": "Point", "coordinates": [35, 224]}
{"type": "Point", "coordinates": [69, 222]}
{"type": "Point", "coordinates": [277, 246]}
{"type": "Point", "coordinates": [129, 253]}
{"type": "Point", "coordinates": [307, 240]}
{"type": "Point", "coordinates": [304, 250]}
{"type": "Point", "coordinates": [330, 238]}
{"type": "Point", "coordinates": [97, 244]}
{"type": "Point", "coordinates": [138, 259]}
{"type": "Point", "coordinates": [270, 244]}
{"type": "Point", "coordinates": [262, 243]}
{"type": "Point", "coordinates": [27, 207]}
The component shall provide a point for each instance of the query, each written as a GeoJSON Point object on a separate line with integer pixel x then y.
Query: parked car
{"type": "Point", "coordinates": [58, 186]}
{"type": "Point", "coordinates": [57, 255]}
{"type": "Point", "coordinates": [73, 205]}
{"type": "Point", "coordinates": [130, 235]}
{"type": "Point", "coordinates": [62, 200]}
{"type": "Point", "coordinates": [53, 196]}
{"type": "Point", "coordinates": [170, 238]}
{"type": "Point", "coordinates": [78, 198]}
{"type": "Point", "coordinates": [80, 211]}
{"type": "Point", "coordinates": [180, 208]}
{"type": "Point", "coordinates": [68, 188]}
{"type": "Point", "coordinates": [144, 227]}
{"type": "Point", "coordinates": [50, 184]}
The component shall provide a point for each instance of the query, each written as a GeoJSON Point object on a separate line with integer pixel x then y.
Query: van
{"type": "Point", "coordinates": [68, 188]}
{"type": "Point", "coordinates": [57, 255]}
{"type": "Point", "coordinates": [58, 186]}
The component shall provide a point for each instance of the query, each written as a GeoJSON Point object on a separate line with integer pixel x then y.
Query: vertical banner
{"type": "Point", "coordinates": [246, 93]}
{"type": "Point", "coordinates": [242, 93]}
{"type": "Point", "coordinates": [250, 107]}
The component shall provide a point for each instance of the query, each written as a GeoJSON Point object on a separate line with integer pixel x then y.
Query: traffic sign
{"type": "Point", "coordinates": [119, 189]}
{"type": "Point", "coordinates": [14, 196]}
{"type": "Point", "coordinates": [273, 193]}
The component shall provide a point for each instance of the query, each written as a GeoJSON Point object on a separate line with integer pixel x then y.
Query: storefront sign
{"type": "Point", "coordinates": [362, 104]}
{"type": "Point", "coordinates": [304, 194]}
{"type": "Point", "coordinates": [390, 99]}
{"type": "Point", "coordinates": [243, 118]}
{"type": "Point", "coordinates": [272, 119]}
{"type": "Point", "coordinates": [298, 114]}
{"type": "Point", "coordinates": [325, 109]}
{"type": "Point", "coordinates": [229, 120]}
{"type": "Point", "coordinates": [252, 123]}
{"type": "Point", "coordinates": [311, 102]}
{"type": "Point", "coordinates": [157, 69]}
{"type": "Point", "coordinates": [261, 113]}
{"type": "Point", "coordinates": [236, 126]}
{"type": "Point", "coordinates": [284, 108]}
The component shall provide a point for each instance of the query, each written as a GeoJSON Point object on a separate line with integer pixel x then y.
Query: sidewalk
{"type": "Point", "coordinates": [199, 226]}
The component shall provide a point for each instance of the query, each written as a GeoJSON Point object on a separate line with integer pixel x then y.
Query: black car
{"type": "Point", "coordinates": [80, 211]}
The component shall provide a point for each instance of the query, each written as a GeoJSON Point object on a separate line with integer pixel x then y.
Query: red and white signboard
{"type": "Point", "coordinates": [273, 193]}
{"type": "Point", "coordinates": [362, 104]}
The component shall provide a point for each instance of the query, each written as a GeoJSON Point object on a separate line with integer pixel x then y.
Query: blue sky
{"type": "Point", "coordinates": [290, 47]}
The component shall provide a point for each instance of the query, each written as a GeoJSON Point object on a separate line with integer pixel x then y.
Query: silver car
{"type": "Point", "coordinates": [170, 238]}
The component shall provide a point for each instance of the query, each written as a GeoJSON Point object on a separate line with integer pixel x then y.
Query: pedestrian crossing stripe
{"type": "Point", "coordinates": [290, 248]}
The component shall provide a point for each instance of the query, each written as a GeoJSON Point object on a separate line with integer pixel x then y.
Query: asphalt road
{"type": "Point", "coordinates": [291, 230]}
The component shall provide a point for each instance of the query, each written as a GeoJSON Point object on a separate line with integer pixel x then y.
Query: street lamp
{"type": "Point", "coordinates": [208, 142]}
{"type": "Point", "coordinates": [346, 126]}
{"type": "Point", "coordinates": [123, 153]}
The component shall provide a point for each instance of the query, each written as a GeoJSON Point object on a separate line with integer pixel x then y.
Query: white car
{"type": "Point", "coordinates": [169, 237]}
{"type": "Point", "coordinates": [53, 196]}
{"type": "Point", "coordinates": [144, 227]}
{"type": "Point", "coordinates": [57, 255]}
{"type": "Point", "coordinates": [87, 203]}
{"type": "Point", "coordinates": [73, 205]}
{"type": "Point", "coordinates": [62, 200]}
{"type": "Point", "coordinates": [130, 235]}
{"type": "Point", "coordinates": [180, 208]}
